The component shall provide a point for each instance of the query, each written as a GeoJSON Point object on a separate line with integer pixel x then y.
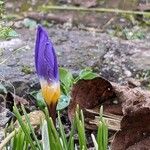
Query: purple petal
{"type": "Point", "coordinates": [45, 57]}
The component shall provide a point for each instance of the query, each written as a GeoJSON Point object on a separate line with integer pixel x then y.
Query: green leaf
{"type": "Point", "coordinates": [45, 136]}
{"type": "Point", "coordinates": [7, 32]}
{"type": "Point", "coordinates": [29, 23]}
{"type": "Point", "coordinates": [66, 79]}
{"type": "Point", "coordinates": [24, 127]}
{"type": "Point", "coordinates": [94, 141]}
{"type": "Point", "coordinates": [2, 89]}
{"type": "Point", "coordinates": [134, 33]}
{"type": "Point", "coordinates": [20, 139]}
{"type": "Point", "coordinates": [54, 138]}
{"type": "Point", "coordinates": [63, 102]}
{"type": "Point", "coordinates": [39, 99]}
{"type": "Point", "coordinates": [71, 138]}
{"type": "Point", "coordinates": [31, 128]}
{"type": "Point", "coordinates": [62, 133]}
{"type": "Point", "coordinates": [1, 2]}
{"type": "Point", "coordinates": [100, 136]}
{"type": "Point", "coordinates": [12, 33]}
{"type": "Point", "coordinates": [86, 74]}
{"type": "Point", "coordinates": [79, 120]}
{"type": "Point", "coordinates": [105, 135]}
{"type": "Point", "coordinates": [71, 144]}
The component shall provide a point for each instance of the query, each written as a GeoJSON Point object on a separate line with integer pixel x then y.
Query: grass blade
{"type": "Point", "coordinates": [80, 129]}
{"type": "Point", "coordinates": [100, 137]}
{"type": "Point", "coordinates": [45, 136]}
{"type": "Point", "coordinates": [105, 136]}
{"type": "Point", "coordinates": [71, 135]}
{"type": "Point", "coordinates": [20, 139]}
{"type": "Point", "coordinates": [62, 132]}
{"type": "Point", "coordinates": [94, 141]}
{"type": "Point", "coordinates": [24, 127]}
{"type": "Point", "coordinates": [31, 128]}
{"type": "Point", "coordinates": [53, 134]}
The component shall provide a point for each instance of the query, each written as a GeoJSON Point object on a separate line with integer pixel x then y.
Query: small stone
{"type": "Point", "coordinates": [128, 73]}
{"type": "Point", "coordinates": [85, 3]}
{"type": "Point", "coordinates": [11, 44]}
{"type": "Point", "coordinates": [18, 24]}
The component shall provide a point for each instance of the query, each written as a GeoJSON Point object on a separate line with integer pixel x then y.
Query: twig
{"type": "Point", "coordinates": [14, 51]}
{"type": "Point", "coordinates": [70, 8]}
{"type": "Point", "coordinates": [112, 124]}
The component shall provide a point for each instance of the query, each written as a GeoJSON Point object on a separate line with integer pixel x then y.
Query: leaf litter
{"type": "Point", "coordinates": [126, 110]}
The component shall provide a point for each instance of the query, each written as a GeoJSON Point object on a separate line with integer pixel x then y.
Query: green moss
{"type": "Point", "coordinates": [26, 69]}
{"type": "Point", "coordinates": [7, 33]}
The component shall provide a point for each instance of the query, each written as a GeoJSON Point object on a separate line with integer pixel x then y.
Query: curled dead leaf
{"type": "Point", "coordinates": [132, 110]}
{"type": "Point", "coordinates": [132, 99]}
{"type": "Point", "coordinates": [89, 94]}
{"type": "Point", "coordinates": [135, 125]}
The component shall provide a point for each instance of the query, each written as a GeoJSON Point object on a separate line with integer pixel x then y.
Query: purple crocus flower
{"type": "Point", "coordinates": [47, 69]}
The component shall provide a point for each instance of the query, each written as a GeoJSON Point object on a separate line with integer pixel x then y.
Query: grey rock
{"type": "Point", "coordinates": [111, 57]}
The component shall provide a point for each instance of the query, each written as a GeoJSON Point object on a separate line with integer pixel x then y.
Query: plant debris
{"type": "Point", "coordinates": [135, 129]}
{"type": "Point", "coordinates": [128, 115]}
{"type": "Point", "coordinates": [89, 94]}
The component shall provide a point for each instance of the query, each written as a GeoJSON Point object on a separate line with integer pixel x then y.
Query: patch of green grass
{"type": "Point", "coordinates": [7, 33]}
{"type": "Point", "coordinates": [26, 69]}
{"type": "Point", "coordinates": [25, 138]}
{"type": "Point", "coordinates": [1, 8]}
{"type": "Point", "coordinates": [134, 33]}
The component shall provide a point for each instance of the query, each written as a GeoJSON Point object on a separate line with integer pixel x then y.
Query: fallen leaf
{"type": "Point", "coordinates": [135, 128]}
{"type": "Point", "coordinates": [132, 99]}
{"type": "Point", "coordinates": [89, 94]}
{"type": "Point", "coordinates": [135, 125]}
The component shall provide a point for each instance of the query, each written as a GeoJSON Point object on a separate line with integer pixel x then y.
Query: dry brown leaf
{"type": "Point", "coordinates": [132, 103]}
{"type": "Point", "coordinates": [89, 94]}
{"type": "Point", "coordinates": [135, 125]}
{"type": "Point", "coordinates": [132, 99]}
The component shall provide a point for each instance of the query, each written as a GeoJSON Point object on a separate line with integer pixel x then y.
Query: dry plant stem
{"type": "Point", "coordinates": [113, 121]}
{"type": "Point", "coordinates": [7, 139]}
{"type": "Point", "coordinates": [113, 124]}
{"type": "Point", "coordinates": [14, 51]}
{"type": "Point", "coordinates": [108, 23]}
{"type": "Point", "coordinates": [95, 10]}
